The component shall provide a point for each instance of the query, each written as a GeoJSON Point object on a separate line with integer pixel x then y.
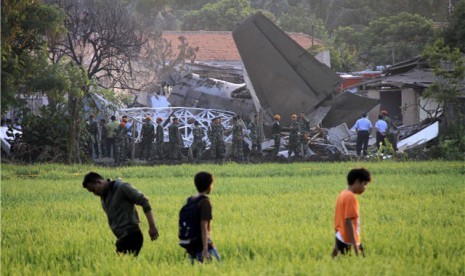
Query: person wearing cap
{"type": "Point", "coordinates": [216, 136]}
{"type": "Point", "coordinates": [347, 215]}
{"type": "Point", "coordinates": [276, 133]}
{"type": "Point", "coordinates": [198, 145]}
{"type": "Point", "coordinates": [175, 139]}
{"type": "Point", "coordinates": [237, 137]}
{"type": "Point", "coordinates": [363, 128]}
{"type": "Point", "coordinates": [293, 137]}
{"type": "Point", "coordinates": [256, 134]}
{"type": "Point", "coordinates": [111, 128]}
{"type": "Point", "coordinates": [304, 129]}
{"type": "Point", "coordinates": [159, 138]}
{"type": "Point", "coordinates": [121, 144]}
{"type": "Point", "coordinates": [147, 135]}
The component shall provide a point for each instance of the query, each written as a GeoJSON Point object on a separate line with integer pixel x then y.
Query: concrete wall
{"type": "Point", "coordinates": [410, 108]}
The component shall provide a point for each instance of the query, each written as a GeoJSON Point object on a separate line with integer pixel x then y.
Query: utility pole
{"type": "Point", "coordinates": [313, 34]}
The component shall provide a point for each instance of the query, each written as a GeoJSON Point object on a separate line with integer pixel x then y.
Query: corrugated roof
{"type": "Point", "coordinates": [220, 46]}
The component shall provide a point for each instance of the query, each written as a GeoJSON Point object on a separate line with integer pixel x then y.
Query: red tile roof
{"type": "Point", "coordinates": [220, 46]}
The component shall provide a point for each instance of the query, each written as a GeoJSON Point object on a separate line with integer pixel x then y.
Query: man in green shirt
{"type": "Point", "coordinates": [118, 199]}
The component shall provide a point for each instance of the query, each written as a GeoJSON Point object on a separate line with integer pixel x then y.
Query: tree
{"type": "Point", "coordinates": [454, 35]}
{"type": "Point", "coordinates": [448, 64]}
{"type": "Point", "coordinates": [190, 5]}
{"type": "Point", "coordinates": [299, 19]}
{"type": "Point", "coordinates": [388, 40]}
{"type": "Point", "coordinates": [220, 16]}
{"type": "Point", "coordinates": [25, 27]}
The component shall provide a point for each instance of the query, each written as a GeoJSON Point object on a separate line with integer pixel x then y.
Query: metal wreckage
{"type": "Point", "coordinates": [277, 76]}
{"type": "Point", "coordinates": [280, 77]}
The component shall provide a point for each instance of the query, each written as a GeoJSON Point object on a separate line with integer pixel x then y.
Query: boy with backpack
{"type": "Point", "coordinates": [194, 221]}
{"type": "Point", "coordinates": [347, 215]}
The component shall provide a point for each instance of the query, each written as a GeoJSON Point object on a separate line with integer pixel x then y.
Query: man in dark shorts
{"type": "Point", "coordinates": [118, 199]}
{"type": "Point", "coordinates": [347, 215]}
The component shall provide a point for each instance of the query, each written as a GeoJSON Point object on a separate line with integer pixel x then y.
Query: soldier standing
{"type": "Point", "coordinates": [304, 129]}
{"type": "Point", "coordinates": [276, 133]}
{"type": "Point", "coordinates": [256, 134]}
{"type": "Point", "coordinates": [147, 135]}
{"type": "Point", "coordinates": [198, 145]}
{"type": "Point", "coordinates": [218, 146]}
{"type": "Point", "coordinates": [92, 127]}
{"type": "Point", "coordinates": [103, 137]}
{"type": "Point", "coordinates": [238, 136]}
{"type": "Point", "coordinates": [120, 144]}
{"type": "Point", "coordinates": [159, 138]}
{"type": "Point", "coordinates": [175, 139]}
{"type": "Point", "coordinates": [293, 136]}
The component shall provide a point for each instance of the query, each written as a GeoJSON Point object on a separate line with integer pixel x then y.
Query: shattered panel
{"type": "Point", "coordinates": [347, 108]}
{"type": "Point", "coordinates": [285, 77]}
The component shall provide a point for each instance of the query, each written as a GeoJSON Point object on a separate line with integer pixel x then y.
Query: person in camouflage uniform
{"type": "Point", "coordinates": [294, 136]}
{"type": "Point", "coordinates": [175, 139]}
{"type": "Point", "coordinates": [218, 147]}
{"type": "Point", "coordinates": [120, 144]}
{"type": "Point", "coordinates": [92, 127]}
{"type": "Point", "coordinates": [159, 138]}
{"type": "Point", "coordinates": [238, 137]}
{"type": "Point", "coordinates": [147, 135]}
{"type": "Point", "coordinates": [304, 129]}
{"type": "Point", "coordinates": [256, 134]}
{"type": "Point", "coordinates": [276, 134]}
{"type": "Point", "coordinates": [103, 137]}
{"type": "Point", "coordinates": [198, 145]}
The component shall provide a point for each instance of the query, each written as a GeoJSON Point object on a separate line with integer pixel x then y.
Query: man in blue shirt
{"type": "Point", "coordinates": [363, 127]}
{"type": "Point", "coordinates": [381, 128]}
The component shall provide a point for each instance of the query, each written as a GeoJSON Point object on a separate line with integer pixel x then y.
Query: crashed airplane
{"type": "Point", "coordinates": [280, 77]}
{"type": "Point", "coordinates": [286, 79]}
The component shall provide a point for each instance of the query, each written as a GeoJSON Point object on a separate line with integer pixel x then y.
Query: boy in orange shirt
{"type": "Point", "coordinates": [347, 216]}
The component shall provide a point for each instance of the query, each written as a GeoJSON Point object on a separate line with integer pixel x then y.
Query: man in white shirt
{"type": "Point", "coordinates": [363, 127]}
{"type": "Point", "coordinates": [381, 128]}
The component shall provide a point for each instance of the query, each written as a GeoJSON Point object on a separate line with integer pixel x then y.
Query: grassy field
{"type": "Point", "coordinates": [269, 219]}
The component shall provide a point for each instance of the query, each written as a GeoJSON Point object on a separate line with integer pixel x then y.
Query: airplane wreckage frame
{"type": "Point", "coordinates": [281, 78]}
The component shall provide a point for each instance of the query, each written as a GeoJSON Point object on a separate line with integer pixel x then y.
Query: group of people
{"type": "Point", "coordinates": [385, 130]}
{"type": "Point", "coordinates": [112, 139]}
{"type": "Point", "coordinates": [115, 139]}
{"type": "Point", "coordinates": [119, 199]}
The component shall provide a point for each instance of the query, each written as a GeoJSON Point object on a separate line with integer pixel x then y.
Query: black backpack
{"type": "Point", "coordinates": [189, 234]}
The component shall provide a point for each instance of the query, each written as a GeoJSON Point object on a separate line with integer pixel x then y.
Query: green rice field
{"type": "Point", "coordinates": [268, 219]}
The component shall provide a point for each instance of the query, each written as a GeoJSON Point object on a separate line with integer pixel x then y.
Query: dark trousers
{"type": "Point", "coordinates": [380, 139]}
{"type": "Point", "coordinates": [110, 147]}
{"type": "Point", "coordinates": [362, 141]}
{"type": "Point", "coordinates": [131, 244]}
{"type": "Point", "coordinates": [344, 248]}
